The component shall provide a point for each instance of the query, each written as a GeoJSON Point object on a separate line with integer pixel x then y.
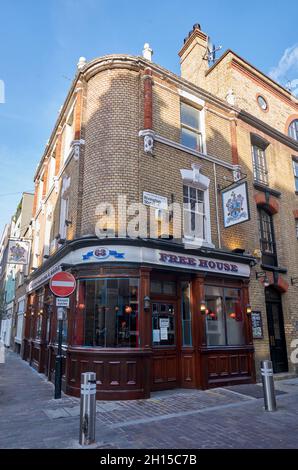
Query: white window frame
{"type": "Point", "coordinates": [194, 178]}
{"type": "Point", "coordinates": [51, 171]}
{"type": "Point", "coordinates": [68, 133]}
{"type": "Point", "coordinates": [64, 206]}
{"type": "Point", "coordinates": [199, 104]}
{"type": "Point", "coordinates": [47, 232]}
{"type": "Point", "coordinates": [36, 245]}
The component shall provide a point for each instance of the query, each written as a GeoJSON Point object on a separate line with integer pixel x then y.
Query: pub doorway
{"type": "Point", "coordinates": [164, 320]}
{"type": "Point", "coordinates": [276, 331]}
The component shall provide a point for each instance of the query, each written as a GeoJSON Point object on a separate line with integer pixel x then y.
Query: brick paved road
{"type": "Point", "coordinates": [220, 418]}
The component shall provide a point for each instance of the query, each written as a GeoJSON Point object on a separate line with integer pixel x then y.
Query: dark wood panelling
{"type": "Point", "coordinates": [73, 370]}
{"type": "Point", "coordinates": [99, 371]}
{"type": "Point", "coordinates": [164, 369]}
{"type": "Point", "coordinates": [131, 372]}
{"type": "Point", "coordinates": [114, 373]}
{"type": "Point", "coordinates": [227, 367]}
{"type": "Point", "coordinates": [188, 369]}
{"type": "Point", "coordinates": [120, 374]}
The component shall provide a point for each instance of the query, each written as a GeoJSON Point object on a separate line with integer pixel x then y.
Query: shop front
{"type": "Point", "coordinates": [145, 316]}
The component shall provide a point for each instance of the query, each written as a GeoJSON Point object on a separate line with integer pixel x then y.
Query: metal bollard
{"type": "Point", "coordinates": [88, 408]}
{"type": "Point", "coordinates": [268, 385]}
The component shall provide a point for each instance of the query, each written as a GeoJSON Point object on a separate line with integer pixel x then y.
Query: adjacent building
{"type": "Point", "coordinates": [205, 150]}
{"type": "Point", "coordinates": [14, 274]}
{"type": "Point", "coordinates": [5, 297]}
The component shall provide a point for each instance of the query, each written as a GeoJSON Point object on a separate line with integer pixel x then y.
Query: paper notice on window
{"type": "Point", "coordinates": [164, 323]}
{"type": "Point", "coordinates": [163, 333]}
{"type": "Point", "coordinates": [156, 336]}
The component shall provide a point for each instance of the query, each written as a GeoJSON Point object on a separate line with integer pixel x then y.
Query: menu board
{"type": "Point", "coordinates": [257, 325]}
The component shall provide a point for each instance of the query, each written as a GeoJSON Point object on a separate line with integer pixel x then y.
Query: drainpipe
{"type": "Point", "coordinates": [216, 206]}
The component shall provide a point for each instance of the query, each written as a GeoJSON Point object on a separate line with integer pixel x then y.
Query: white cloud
{"type": "Point", "coordinates": [287, 67]}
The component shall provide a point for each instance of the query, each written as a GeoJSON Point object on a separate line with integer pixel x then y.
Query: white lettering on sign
{"type": "Point", "coordinates": [62, 283]}
{"type": "Point", "coordinates": [155, 200]}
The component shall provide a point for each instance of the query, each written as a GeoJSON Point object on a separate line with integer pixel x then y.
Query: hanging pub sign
{"type": "Point", "coordinates": [235, 205]}
{"type": "Point", "coordinates": [18, 252]}
{"type": "Point", "coordinates": [257, 325]}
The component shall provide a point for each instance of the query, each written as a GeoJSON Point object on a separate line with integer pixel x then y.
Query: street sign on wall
{"type": "Point", "coordinates": [62, 284]}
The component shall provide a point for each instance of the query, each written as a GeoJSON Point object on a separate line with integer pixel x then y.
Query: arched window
{"type": "Point", "coordinates": [293, 129]}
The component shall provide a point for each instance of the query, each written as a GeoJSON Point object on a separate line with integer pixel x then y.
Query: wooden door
{"type": "Point", "coordinates": [164, 345]}
{"type": "Point", "coordinates": [276, 331]}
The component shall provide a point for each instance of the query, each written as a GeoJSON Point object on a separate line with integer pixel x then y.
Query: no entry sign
{"type": "Point", "coordinates": [62, 284]}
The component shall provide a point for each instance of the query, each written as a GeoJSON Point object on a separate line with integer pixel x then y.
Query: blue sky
{"type": "Point", "coordinates": [41, 41]}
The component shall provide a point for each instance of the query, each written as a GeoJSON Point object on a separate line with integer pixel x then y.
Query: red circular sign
{"type": "Point", "coordinates": [62, 284]}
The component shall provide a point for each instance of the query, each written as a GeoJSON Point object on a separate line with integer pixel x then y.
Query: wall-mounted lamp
{"type": "Point", "coordinates": [294, 281]}
{"type": "Point", "coordinates": [203, 307]}
{"type": "Point", "coordinates": [146, 302]}
{"type": "Point", "coordinates": [248, 309]}
{"type": "Point", "coordinates": [263, 275]}
{"type": "Point", "coordinates": [128, 309]}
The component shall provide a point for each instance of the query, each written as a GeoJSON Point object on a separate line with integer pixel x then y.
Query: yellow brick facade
{"type": "Point", "coordinates": [112, 159]}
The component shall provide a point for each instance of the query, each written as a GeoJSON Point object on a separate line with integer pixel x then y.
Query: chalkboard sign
{"type": "Point", "coordinates": [257, 325]}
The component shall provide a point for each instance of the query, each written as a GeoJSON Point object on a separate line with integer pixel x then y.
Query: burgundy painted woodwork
{"type": "Point", "coordinates": [164, 369]}
{"type": "Point", "coordinates": [120, 374]}
{"type": "Point", "coordinates": [132, 373]}
{"type": "Point", "coordinates": [227, 366]}
{"type": "Point", "coordinates": [145, 323]}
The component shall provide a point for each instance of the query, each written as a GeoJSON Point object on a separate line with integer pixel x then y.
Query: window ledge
{"type": "Point", "coordinates": [196, 243]}
{"type": "Point", "coordinates": [266, 189]}
{"type": "Point", "coordinates": [269, 267]}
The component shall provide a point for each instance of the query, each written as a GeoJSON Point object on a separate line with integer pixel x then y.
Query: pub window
{"type": "Point", "coordinates": [191, 135]}
{"type": "Point", "coordinates": [186, 314]}
{"type": "Point", "coordinates": [224, 317]}
{"type": "Point", "coordinates": [108, 313]}
{"type": "Point", "coordinates": [194, 212]}
{"type": "Point", "coordinates": [295, 169]}
{"type": "Point", "coordinates": [293, 129]}
{"type": "Point", "coordinates": [38, 328]}
{"type": "Point", "coordinates": [267, 238]}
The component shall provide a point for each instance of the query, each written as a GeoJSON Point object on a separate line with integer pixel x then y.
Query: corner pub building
{"type": "Point", "coordinates": [148, 313]}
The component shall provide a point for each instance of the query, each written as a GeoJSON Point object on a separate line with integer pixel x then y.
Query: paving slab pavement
{"type": "Point", "coordinates": [228, 418]}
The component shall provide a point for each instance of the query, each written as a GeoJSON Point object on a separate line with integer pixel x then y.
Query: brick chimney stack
{"type": "Point", "coordinates": [194, 56]}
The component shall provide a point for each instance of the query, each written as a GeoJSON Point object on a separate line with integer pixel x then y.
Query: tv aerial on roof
{"type": "Point", "coordinates": [211, 51]}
